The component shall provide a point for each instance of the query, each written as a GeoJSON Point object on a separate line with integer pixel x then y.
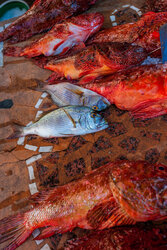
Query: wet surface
{"type": "Point", "coordinates": [32, 163]}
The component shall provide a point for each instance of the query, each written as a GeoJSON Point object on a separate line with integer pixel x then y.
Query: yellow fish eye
{"type": "Point", "coordinates": [95, 107]}
{"type": "Point", "coordinates": [93, 115]}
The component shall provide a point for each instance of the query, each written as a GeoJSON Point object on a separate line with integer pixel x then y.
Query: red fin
{"type": "Point", "coordinates": [47, 232]}
{"type": "Point", "coordinates": [87, 79]}
{"type": "Point", "coordinates": [150, 109]}
{"type": "Point", "coordinates": [13, 228]}
{"type": "Point", "coordinates": [108, 214]}
{"type": "Point", "coordinates": [101, 213]}
{"type": "Point", "coordinates": [40, 197]}
{"type": "Point", "coordinates": [53, 77]}
{"type": "Point", "coordinates": [12, 51]}
{"type": "Point", "coordinates": [118, 218]}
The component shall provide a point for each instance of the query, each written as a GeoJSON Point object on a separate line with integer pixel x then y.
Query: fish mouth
{"type": "Point", "coordinates": [103, 124]}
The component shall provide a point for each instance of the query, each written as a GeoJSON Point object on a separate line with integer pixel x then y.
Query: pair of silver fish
{"type": "Point", "coordinates": [68, 120]}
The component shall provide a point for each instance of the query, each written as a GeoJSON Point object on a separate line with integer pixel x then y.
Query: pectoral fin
{"type": "Point", "coordinates": [47, 232]}
{"type": "Point", "coordinates": [108, 214]}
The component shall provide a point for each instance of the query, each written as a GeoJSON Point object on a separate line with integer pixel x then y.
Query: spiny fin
{"type": "Point", "coordinates": [47, 232]}
{"type": "Point", "coordinates": [101, 213]}
{"type": "Point", "coordinates": [40, 197]}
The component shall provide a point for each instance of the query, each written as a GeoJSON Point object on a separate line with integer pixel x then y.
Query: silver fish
{"type": "Point", "coordinates": [65, 94]}
{"type": "Point", "coordinates": [67, 121]}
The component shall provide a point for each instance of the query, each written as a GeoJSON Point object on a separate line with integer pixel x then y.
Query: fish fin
{"type": "Point", "coordinates": [87, 79]}
{"type": "Point", "coordinates": [106, 214]}
{"type": "Point", "coordinates": [12, 51]}
{"type": "Point", "coordinates": [76, 91]}
{"type": "Point", "coordinates": [150, 109]}
{"type": "Point", "coordinates": [70, 117]}
{"type": "Point", "coordinates": [101, 213]}
{"type": "Point", "coordinates": [40, 197]}
{"type": "Point", "coordinates": [47, 232]}
{"type": "Point", "coordinates": [53, 77]}
{"type": "Point", "coordinates": [39, 85]}
{"type": "Point", "coordinates": [13, 228]}
{"type": "Point", "coordinates": [17, 131]}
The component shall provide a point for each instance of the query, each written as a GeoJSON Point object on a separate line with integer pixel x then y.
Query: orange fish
{"type": "Point", "coordinates": [141, 90]}
{"type": "Point", "coordinates": [119, 193]}
{"type": "Point", "coordinates": [144, 32]}
{"type": "Point", "coordinates": [123, 238]}
{"type": "Point", "coordinates": [62, 37]}
{"type": "Point", "coordinates": [96, 60]}
{"type": "Point", "coordinates": [42, 15]}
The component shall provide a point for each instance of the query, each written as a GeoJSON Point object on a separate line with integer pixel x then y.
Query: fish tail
{"type": "Point", "coordinates": [13, 228]}
{"type": "Point", "coordinates": [18, 131]}
{"type": "Point", "coordinates": [12, 51]}
{"type": "Point", "coordinates": [40, 85]}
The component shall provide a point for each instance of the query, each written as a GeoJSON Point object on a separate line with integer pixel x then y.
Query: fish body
{"type": "Point", "coordinates": [65, 94]}
{"type": "Point", "coordinates": [144, 32]}
{"type": "Point", "coordinates": [97, 60]}
{"type": "Point", "coordinates": [42, 15]}
{"type": "Point", "coordinates": [62, 37]}
{"type": "Point", "coordinates": [64, 122]}
{"type": "Point", "coordinates": [122, 238]}
{"type": "Point", "coordinates": [118, 193]}
{"type": "Point", "coordinates": [141, 90]}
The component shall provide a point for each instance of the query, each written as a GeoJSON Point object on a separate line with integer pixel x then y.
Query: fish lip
{"type": "Point", "coordinates": [104, 125]}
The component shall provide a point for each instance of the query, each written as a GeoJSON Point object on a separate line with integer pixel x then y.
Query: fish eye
{"type": "Point", "coordinates": [161, 168]}
{"type": "Point", "coordinates": [95, 107]}
{"type": "Point", "coordinates": [93, 115]}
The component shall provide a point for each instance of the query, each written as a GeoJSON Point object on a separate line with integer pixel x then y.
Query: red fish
{"type": "Point", "coordinates": [42, 16]}
{"type": "Point", "coordinates": [118, 193]}
{"type": "Point", "coordinates": [141, 90]}
{"type": "Point", "coordinates": [123, 238]}
{"type": "Point", "coordinates": [97, 60]}
{"type": "Point", "coordinates": [145, 32]}
{"type": "Point", "coordinates": [62, 37]}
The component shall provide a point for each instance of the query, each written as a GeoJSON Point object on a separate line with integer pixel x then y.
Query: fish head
{"type": "Point", "coordinates": [95, 121]}
{"type": "Point", "coordinates": [141, 189]}
{"type": "Point", "coordinates": [96, 102]}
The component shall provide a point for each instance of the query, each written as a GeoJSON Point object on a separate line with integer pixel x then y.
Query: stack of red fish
{"type": "Point", "coordinates": [119, 193]}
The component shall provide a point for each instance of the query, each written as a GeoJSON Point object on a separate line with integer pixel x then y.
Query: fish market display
{"type": "Point", "coordinates": [65, 94]}
{"type": "Point", "coordinates": [140, 90]}
{"type": "Point", "coordinates": [119, 193]}
{"type": "Point", "coordinates": [62, 37]}
{"type": "Point", "coordinates": [96, 60]}
{"type": "Point", "coordinates": [42, 16]}
{"type": "Point", "coordinates": [145, 32]}
{"type": "Point", "coordinates": [63, 122]}
{"type": "Point", "coordinates": [122, 238]}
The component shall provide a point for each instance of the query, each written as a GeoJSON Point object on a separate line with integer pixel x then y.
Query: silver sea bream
{"type": "Point", "coordinates": [65, 94]}
{"type": "Point", "coordinates": [67, 121]}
